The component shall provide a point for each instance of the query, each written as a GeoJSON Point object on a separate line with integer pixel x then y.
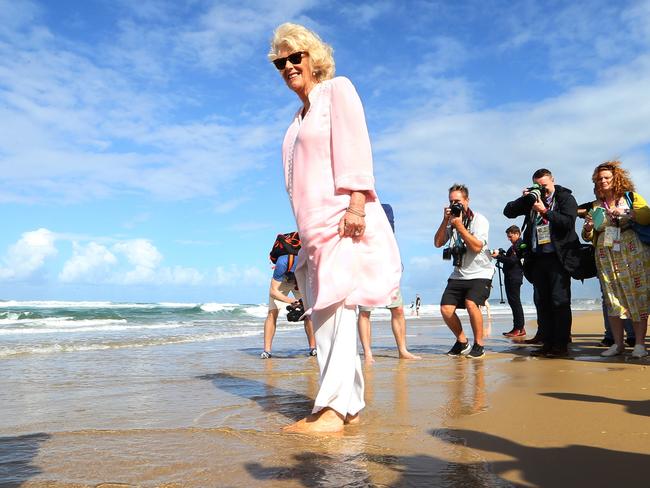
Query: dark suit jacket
{"type": "Point", "coordinates": [562, 226]}
{"type": "Point", "coordinates": [512, 270]}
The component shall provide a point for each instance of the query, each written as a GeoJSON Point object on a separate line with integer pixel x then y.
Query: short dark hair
{"type": "Point", "coordinates": [461, 188]}
{"type": "Point", "coordinates": [540, 173]}
{"type": "Point", "coordinates": [513, 229]}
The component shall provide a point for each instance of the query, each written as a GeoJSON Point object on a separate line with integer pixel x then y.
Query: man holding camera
{"type": "Point", "coordinates": [470, 282]}
{"type": "Point", "coordinates": [283, 283]}
{"type": "Point", "coordinates": [513, 278]}
{"type": "Point", "coordinates": [549, 234]}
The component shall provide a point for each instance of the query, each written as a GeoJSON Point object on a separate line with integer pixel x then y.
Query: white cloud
{"type": "Point", "coordinates": [239, 276]}
{"type": "Point", "coordinates": [28, 255]}
{"type": "Point", "coordinates": [131, 262]}
{"type": "Point", "coordinates": [143, 256]}
{"type": "Point", "coordinates": [79, 124]}
{"type": "Point", "coordinates": [91, 263]}
{"type": "Point", "coordinates": [179, 275]}
{"type": "Point", "coordinates": [364, 14]}
{"type": "Point", "coordinates": [570, 134]}
{"type": "Point", "coordinates": [580, 37]}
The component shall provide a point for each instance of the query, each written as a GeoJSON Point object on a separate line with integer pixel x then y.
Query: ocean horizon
{"type": "Point", "coordinates": [53, 327]}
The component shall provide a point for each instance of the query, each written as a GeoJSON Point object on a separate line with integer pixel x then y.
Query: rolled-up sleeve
{"type": "Point", "coordinates": [351, 153]}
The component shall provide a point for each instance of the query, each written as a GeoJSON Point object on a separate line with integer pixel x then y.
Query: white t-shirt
{"type": "Point", "coordinates": [474, 265]}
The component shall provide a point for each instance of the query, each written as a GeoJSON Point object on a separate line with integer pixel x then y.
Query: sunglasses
{"type": "Point", "coordinates": [295, 58]}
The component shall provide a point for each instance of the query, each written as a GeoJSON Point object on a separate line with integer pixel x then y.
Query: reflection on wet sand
{"type": "Point", "coordinates": [270, 398]}
{"type": "Point", "coordinates": [467, 393]}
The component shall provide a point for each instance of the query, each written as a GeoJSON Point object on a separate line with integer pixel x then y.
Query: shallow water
{"type": "Point", "coordinates": [210, 413]}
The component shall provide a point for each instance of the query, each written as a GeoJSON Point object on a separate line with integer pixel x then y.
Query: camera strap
{"type": "Point", "coordinates": [467, 220]}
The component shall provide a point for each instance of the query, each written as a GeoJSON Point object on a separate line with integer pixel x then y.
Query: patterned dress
{"type": "Point", "coordinates": [625, 273]}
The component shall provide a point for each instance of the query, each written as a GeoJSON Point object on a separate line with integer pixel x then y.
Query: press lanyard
{"type": "Point", "coordinates": [550, 206]}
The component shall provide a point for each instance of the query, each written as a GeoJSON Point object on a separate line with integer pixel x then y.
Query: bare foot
{"type": "Point", "coordinates": [324, 421]}
{"type": "Point", "coordinates": [368, 359]}
{"type": "Point", "coordinates": [408, 355]}
{"type": "Point", "coordinates": [352, 419]}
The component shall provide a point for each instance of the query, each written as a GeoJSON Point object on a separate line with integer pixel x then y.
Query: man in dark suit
{"type": "Point", "coordinates": [513, 277]}
{"type": "Point", "coordinates": [549, 233]}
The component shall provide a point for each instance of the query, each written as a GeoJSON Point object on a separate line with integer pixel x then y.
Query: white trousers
{"type": "Point", "coordinates": [341, 376]}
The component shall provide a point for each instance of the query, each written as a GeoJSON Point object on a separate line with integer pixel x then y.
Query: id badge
{"type": "Point", "coordinates": [543, 234]}
{"type": "Point", "coordinates": [612, 238]}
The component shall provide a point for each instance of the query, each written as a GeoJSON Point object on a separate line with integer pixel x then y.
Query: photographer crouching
{"type": "Point", "coordinates": [549, 234]}
{"type": "Point", "coordinates": [470, 282]}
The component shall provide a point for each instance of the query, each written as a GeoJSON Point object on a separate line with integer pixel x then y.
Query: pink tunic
{"type": "Point", "coordinates": [326, 156]}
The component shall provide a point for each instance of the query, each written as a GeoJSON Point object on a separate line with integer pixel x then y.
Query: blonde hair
{"type": "Point", "coordinates": [294, 37]}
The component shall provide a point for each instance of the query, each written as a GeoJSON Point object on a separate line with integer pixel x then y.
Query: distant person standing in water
{"type": "Point", "coordinates": [397, 319]}
{"type": "Point", "coordinates": [349, 255]}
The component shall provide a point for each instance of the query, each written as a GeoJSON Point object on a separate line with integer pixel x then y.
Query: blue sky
{"type": "Point", "coordinates": [140, 141]}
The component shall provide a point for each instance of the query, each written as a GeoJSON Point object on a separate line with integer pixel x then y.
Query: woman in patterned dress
{"type": "Point", "coordinates": [622, 260]}
{"type": "Point", "coordinates": [349, 255]}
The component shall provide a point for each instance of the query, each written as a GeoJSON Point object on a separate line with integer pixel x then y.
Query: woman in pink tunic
{"type": "Point", "coordinates": [349, 255]}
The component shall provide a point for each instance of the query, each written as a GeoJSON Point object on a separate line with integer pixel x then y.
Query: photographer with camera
{"type": "Point", "coordinates": [550, 212]}
{"type": "Point", "coordinates": [513, 274]}
{"type": "Point", "coordinates": [470, 283]}
{"type": "Point", "coordinates": [283, 283]}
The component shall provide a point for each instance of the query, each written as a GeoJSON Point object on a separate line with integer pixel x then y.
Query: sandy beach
{"type": "Point", "coordinates": [206, 415]}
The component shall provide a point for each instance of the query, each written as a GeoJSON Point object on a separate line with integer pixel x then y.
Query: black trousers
{"type": "Point", "coordinates": [513, 290]}
{"type": "Point", "coordinates": [552, 296]}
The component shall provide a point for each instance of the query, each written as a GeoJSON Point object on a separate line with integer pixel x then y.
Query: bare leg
{"type": "Point", "coordinates": [476, 321]}
{"type": "Point", "coordinates": [269, 328]}
{"type": "Point", "coordinates": [640, 331]}
{"type": "Point", "coordinates": [448, 313]}
{"type": "Point", "coordinates": [398, 324]}
{"type": "Point", "coordinates": [617, 331]}
{"type": "Point", "coordinates": [363, 324]}
{"type": "Point", "coordinates": [324, 421]}
{"type": "Point", "coordinates": [309, 330]}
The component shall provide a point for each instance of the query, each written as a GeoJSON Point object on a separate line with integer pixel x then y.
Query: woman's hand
{"type": "Point", "coordinates": [352, 225]}
{"type": "Point", "coordinates": [589, 224]}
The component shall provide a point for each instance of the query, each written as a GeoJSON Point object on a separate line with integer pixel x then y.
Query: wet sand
{"type": "Point", "coordinates": [210, 415]}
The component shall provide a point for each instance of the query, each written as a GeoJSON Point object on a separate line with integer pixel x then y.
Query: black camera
{"type": "Point", "coordinates": [522, 251]}
{"type": "Point", "coordinates": [456, 209]}
{"type": "Point", "coordinates": [535, 193]}
{"type": "Point", "coordinates": [295, 311]}
{"type": "Point", "coordinates": [455, 254]}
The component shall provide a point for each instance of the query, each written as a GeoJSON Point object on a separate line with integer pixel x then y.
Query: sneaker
{"type": "Point", "coordinates": [312, 352]}
{"type": "Point", "coordinates": [606, 342]}
{"type": "Point", "coordinates": [639, 351]}
{"type": "Point", "coordinates": [265, 355]}
{"type": "Point", "coordinates": [612, 350]}
{"type": "Point", "coordinates": [460, 348]}
{"type": "Point", "coordinates": [515, 333]}
{"type": "Point", "coordinates": [476, 352]}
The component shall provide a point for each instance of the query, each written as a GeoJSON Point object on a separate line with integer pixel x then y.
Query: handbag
{"type": "Point", "coordinates": [587, 259]}
{"type": "Point", "coordinates": [643, 231]}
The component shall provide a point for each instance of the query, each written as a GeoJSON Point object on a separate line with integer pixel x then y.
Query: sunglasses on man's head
{"type": "Point", "coordinates": [295, 58]}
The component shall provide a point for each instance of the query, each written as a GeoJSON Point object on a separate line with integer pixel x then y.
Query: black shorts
{"type": "Point", "coordinates": [457, 291]}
